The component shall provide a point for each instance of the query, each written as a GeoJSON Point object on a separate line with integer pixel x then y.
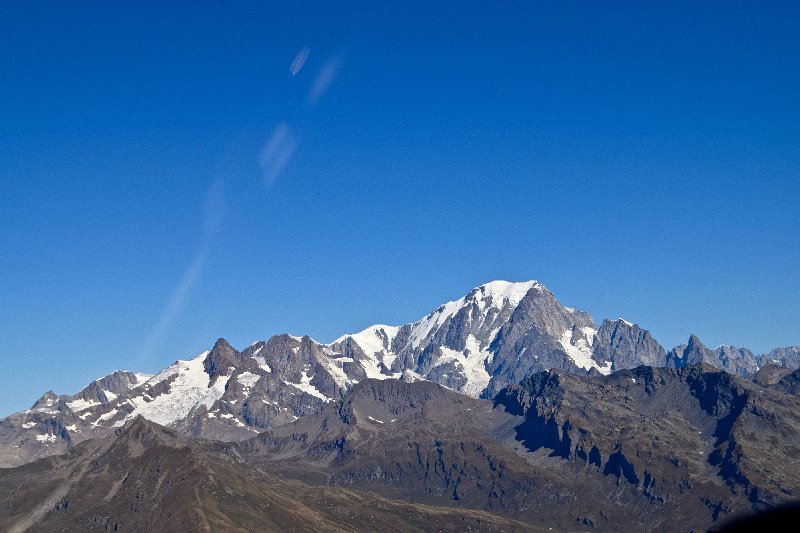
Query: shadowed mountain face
{"type": "Point", "coordinates": [696, 434]}
{"type": "Point", "coordinates": [147, 478]}
{"type": "Point", "coordinates": [790, 383]}
{"type": "Point", "coordinates": [645, 449]}
{"type": "Point", "coordinates": [497, 335]}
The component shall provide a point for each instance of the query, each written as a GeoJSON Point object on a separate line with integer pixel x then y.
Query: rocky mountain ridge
{"type": "Point", "coordinates": [497, 335]}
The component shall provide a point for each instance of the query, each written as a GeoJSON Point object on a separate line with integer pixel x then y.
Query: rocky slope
{"type": "Point", "coordinates": [648, 449]}
{"type": "Point", "coordinates": [790, 383]}
{"type": "Point", "coordinates": [770, 374]}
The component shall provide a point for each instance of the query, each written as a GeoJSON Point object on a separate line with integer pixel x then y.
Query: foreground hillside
{"type": "Point", "coordinates": [147, 478]}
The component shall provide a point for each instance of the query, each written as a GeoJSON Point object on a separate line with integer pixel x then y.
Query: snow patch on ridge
{"type": "Point", "coordinates": [81, 405]}
{"type": "Point", "coordinates": [472, 362]}
{"type": "Point", "coordinates": [248, 379]}
{"type": "Point", "coordinates": [373, 339]}
{"type": "Point", "coordinates": [141, 377]}
{"type": "Point", "coordinates": [580, 349]}
{"type": "Point", "coordinates": [190, 388]}
{"type": "Point", "coordinates": [376, 343]}
{"type": "Point", "coordinates": [492, 295]}
{"type": "Point", "coordinates": [262, 363]}
{"type": "Point", "coordinates": [502, 292]}
{"type": "Point", "coordinates": [306, 386]}
{"type": "Point", "coordinates": [590, 334]}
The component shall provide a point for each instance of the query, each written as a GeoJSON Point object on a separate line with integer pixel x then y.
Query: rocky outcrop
{"type": "Point", "coordinates": [770, 374]}
{"type": "Point", "coordinates": [788, 357]}
{"type": "Point", "coordinates": [790, 383]}
{"type": "Point", "coordinates": [644, 449]}
{"type": "Point", "coordinates": [627, 345]}
{"type": "Point", "coordinates": [739, 361]}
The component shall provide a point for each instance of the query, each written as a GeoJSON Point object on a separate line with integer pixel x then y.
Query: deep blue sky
{"type": "Point", "coordinates": [165, 180]}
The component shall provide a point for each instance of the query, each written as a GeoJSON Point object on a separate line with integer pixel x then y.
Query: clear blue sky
{"type": "Point", "coordinates": [166, 180]}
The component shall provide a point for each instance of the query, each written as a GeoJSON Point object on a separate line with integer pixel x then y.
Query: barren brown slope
{"type": "Point", "coordinates": [421, 442]}
{"type": "Point", "coordinates": [148, 479]}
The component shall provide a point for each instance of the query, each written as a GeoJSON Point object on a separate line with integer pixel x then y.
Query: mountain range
{"type": "Point", "coordinates": [503, 402]}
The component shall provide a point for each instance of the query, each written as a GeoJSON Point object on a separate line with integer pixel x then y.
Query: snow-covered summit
{"type": "Point", "coordinates": [499, 292]}
{"type": "Point", "coordinates": [451, 345]}
{"type": "Point", "coordinates": [498, 334]}
{"type": "Point", "coordinates": [367, 337]}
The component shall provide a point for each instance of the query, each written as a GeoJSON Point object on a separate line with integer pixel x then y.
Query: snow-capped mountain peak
{"type": "Point", "coordinates": [450, 345]}
{"type": "Point", "coordinates": [500, 292]}
{"type": "Point", "coordinates": [374, 338]}
{"type": "Point", "coordinates": [497, 335]}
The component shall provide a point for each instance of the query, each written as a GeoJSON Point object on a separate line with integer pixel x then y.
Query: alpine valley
{"type": "Point", "coordinates": [502, 410]}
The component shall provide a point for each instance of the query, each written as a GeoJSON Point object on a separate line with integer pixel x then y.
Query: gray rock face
{"type": "Point", "coordinates": [627, 345]}
{"type": "Point", "coordinates": [221, 358]}
{"type": "Point", "coordinates": [788, 357]}
{"type": "Point", "coordinates": [542, 334]}
{"type": "Point", "coordinates": [740, 361]}
{"type": "Point", "coordinates": [790, 383]}
{"type": "Point", "coordinates": [102, 390]}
